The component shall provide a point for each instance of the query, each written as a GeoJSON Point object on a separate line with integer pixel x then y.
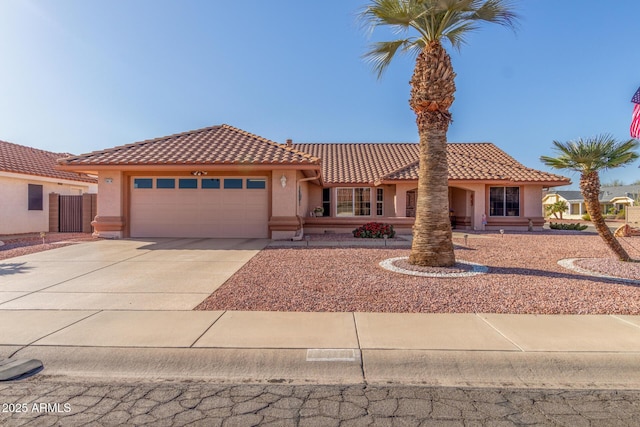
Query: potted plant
{"type": "Point", "coordinates": [318, 211]}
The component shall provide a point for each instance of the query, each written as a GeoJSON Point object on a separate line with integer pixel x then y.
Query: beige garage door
{"type": "Point", "coordinates": [199, 207]}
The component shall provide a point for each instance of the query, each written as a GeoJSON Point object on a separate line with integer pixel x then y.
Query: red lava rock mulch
{"type": "Point", "coordinates": [523, 277]}
{"type": "Point", "coordinates": [27, 244]}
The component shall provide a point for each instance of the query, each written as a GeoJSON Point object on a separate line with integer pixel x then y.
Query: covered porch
{"type": "Point", "coordinates": [472, 206]}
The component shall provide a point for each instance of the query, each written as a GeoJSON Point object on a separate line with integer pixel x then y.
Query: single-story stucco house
{"type": "Point", "coordinates": [221, 181]}
{"type": "Point", "coordinates": [612, 199]}
{"type": "Point", "coordinates": [27, 177]}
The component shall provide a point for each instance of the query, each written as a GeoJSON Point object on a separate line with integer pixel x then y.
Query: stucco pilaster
{"type": "Point", "coordinates": [110, 220]}
{"type": "Point", "coordinates": [285, 195]}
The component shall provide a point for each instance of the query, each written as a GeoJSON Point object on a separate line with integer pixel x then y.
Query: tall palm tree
{"type": "Point", "coordinates": [589, 157]}
{"type": "Point", "coordinates": [432, 93]}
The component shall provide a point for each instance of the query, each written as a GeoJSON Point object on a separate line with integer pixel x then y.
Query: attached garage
{"type": "Point", "coordinates": [226, 207]}
{"type": "Point", "coordinates": [218, 181]}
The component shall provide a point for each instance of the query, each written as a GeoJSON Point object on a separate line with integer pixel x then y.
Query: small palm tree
{"type": "Point", "coordinates": [589, 157]}
{"type": "Point", "coordinates": [558, 207]}
{"type": "Point", "coordinates": [432, 93]}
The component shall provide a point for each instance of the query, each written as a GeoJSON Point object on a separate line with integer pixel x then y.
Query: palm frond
{"type": "Point", "coordinates": [432, 20]}
{"type": "Point", "coordinates": [499, 12]}
{"type": "Point", "coordinates": [397, 14]}
{"type": "Point", "coordinates": [592, 154]}
{"type": "Point", "coordinates": [457, 37]}
{"type": "Point", "coordinates": [382, 53]}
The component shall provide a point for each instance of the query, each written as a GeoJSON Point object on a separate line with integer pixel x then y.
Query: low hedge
{"type": "Point", "coordinates": [558, 226]}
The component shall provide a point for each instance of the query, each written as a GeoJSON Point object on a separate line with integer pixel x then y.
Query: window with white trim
{"type": "Point", "coordinates": [504, 201]}
{"type": "Point", "coordinates": [379, 201]}
{"type": "Point", "coordinates": [353, 201]}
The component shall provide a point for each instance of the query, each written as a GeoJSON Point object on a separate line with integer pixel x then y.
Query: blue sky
{"type": "Point", "coordinates": [78, 76]}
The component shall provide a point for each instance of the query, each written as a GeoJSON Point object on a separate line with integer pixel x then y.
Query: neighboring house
{"type": "Point", "coordinates": [612, 199]}
{"type": "Point", "coordinates": [224, 182]}
{"type": "Point", "coordinates": [27, 177]}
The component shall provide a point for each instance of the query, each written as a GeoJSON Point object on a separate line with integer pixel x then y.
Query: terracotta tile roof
{"type": "Point", "coordinates": [485, 161]}
{"type": "Point", "coordinates": [374, 163]}
{"type": "Point", "coordinates": [216, 145]}
{"type": "Point", "coordinates": [360, 163]}
{"type": "Point", "coordinates": [32, 161]}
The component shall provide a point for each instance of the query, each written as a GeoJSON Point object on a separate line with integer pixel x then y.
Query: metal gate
{"type": "Point", "coordinates": [70, 214]}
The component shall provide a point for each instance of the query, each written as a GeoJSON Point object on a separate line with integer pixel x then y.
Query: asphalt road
{"type": "Point", "coordinates": [49, 401]}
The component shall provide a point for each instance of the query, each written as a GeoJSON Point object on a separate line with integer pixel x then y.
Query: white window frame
{"type": "Point", "coordinates": [366, 203]}
{"type": "Point", "coordinates": [380, 203]}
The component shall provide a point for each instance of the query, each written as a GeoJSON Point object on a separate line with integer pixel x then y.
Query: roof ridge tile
{"type": "Point", "coordinates": [221, 144]}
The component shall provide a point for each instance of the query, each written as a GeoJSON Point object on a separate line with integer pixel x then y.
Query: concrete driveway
{"type": "Point", "coordinates": [141, 274]}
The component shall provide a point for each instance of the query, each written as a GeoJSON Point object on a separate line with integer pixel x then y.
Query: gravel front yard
{"type": "Point", "coordinates": [523, 277]}
{"type": "Point", "coordinates": [31, 243]}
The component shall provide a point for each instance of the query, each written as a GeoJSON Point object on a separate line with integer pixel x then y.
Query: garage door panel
{"type": "Point", "coordinates": [182, 212]}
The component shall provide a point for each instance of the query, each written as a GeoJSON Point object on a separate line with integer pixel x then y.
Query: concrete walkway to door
{"type": "Point", "coordinates": [141, 274]}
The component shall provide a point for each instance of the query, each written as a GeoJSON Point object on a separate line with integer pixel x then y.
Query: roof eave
{"type": "Point", "coordinates": [483, 181]}
{"type": "Point", "coordinates": [94, 169]}
{"type": "Point", "coordinates": [70, 179]}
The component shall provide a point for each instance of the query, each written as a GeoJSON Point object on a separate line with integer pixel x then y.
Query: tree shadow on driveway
{"type": "Point", "coordinates": [9, 268]}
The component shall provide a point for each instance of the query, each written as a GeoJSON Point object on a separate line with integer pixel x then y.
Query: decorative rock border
{"type": "Point", "coordinates": [568, 263]}
{"type": "Point", "coordinates": [388, 264]}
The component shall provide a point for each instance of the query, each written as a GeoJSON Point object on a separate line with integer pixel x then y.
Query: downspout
{"type": "Point", "coordinates": [300, 232]}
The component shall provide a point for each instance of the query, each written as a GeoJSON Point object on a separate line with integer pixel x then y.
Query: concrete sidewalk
{"type": "Point", "coordinates": [430, 349]}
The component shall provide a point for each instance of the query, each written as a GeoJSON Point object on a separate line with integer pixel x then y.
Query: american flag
{"type": "Point", "coordinates": [635, 118]}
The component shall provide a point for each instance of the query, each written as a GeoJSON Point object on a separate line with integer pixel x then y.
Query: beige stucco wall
{"type": "Point", "coordinates": [400, 198]}
{"type": "Point", "coordinates": [110, 199]}
{"type": "Point", "coordinates": [284, 200]}
{"type": "Point", "coordinates": [15, 216]}
{"type": "Point", "coordinates": [532, 201]}
{"type": "Point", "coordinates": [110, 193]}
{"type": "Point", "coordinates": [314, 198]}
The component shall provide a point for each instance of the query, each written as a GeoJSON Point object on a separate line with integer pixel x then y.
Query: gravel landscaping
{"type": "Point", "coordinates": [19, 245]}
{"type": "Point", "coordinates": [523, 277]}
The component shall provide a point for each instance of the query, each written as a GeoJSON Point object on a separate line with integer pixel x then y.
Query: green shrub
{"type": "Point", "coordinates": [557, 226]}
{"type": "Point", "coordinates": [374, 230]}
{"type": "Point", "coordinates": [586, 217]}
{"type": "Point", "coordinates": [620, 214]}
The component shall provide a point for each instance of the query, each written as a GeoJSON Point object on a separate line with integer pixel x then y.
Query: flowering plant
{"type": "Point", "coordinates": [374, 230]}
{"type": "Point", "coordinates": [318, 209]}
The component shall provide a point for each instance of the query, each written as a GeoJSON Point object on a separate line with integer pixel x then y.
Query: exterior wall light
{"type": "Point", "coordinates": [283, 181]}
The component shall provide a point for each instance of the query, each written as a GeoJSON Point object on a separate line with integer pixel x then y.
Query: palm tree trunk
{"type": "Point", "coordinates": [590, 188]}
{"type": "Point", "coordinates": [432, 90]}
{"type": "Point", "coordinates": [432, 244]}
